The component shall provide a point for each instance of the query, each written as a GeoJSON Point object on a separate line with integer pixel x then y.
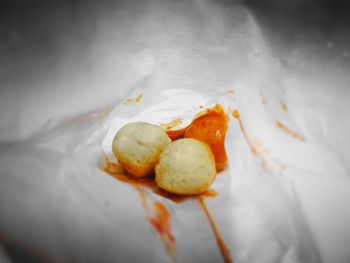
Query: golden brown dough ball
{"type": "Point", "coordinates": [186, 167]}
{"type": "Point", "coordinates": [137, 147]}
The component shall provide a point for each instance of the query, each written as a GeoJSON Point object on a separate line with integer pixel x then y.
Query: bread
{"type": "Point", "coordinates": [137, 147]}
{"type": "Point", "coordinates": [186, 167]}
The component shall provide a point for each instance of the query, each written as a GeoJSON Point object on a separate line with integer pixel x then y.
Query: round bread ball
{"type": "Point", "coordinates": [186, 167]}
{"type": "Point", "coordinates": [137, 147]}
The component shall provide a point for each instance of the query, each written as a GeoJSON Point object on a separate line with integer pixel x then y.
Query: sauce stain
{"type": "Point", "coordinates": [256, 147]}
{"type": "Point", "coordinates": [284, 106]}
{"type": "Point", "coordinates": [172, 124]}
{"type": "Point", "coordinates": [225, 252]}
{"type": "Point", "coordinates": [160, 221]}
{"type": "Point", "coordinates": [133, 100]}
{"type": "Point", "coordinates": [176, 134]}
{"type": "Point", "coordinates": [235, 114]}
{"type": "Point", "coordinates": [291, 133]}
{"type": "Point", "coordinates": [230, 91]}
{"type": "Point", "coordinates": [143, 198]}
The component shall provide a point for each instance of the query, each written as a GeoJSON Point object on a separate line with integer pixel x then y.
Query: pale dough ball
{"type": "Point", "coordinates": [186, 167]}
{"type": "Point", "coordinates": [137, 147]}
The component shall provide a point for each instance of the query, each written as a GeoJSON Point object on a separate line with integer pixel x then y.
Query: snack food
{"type": "Point", "coordinates": [186, 167]}
{"type": "Point", "coordinates": [209, 126]}
{"type": "Point", "coordinates": [137, 147]}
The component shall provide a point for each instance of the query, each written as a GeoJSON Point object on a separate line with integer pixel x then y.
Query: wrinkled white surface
{"type": "Point", "coordinates": [55, 198]}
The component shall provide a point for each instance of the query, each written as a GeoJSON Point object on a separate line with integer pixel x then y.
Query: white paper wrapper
{"type": "Point", "coordinates": [288, 203]}
{"type": "Point", "coordinates": [256, 202]}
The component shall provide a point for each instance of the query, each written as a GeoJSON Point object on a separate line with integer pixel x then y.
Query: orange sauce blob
{"type": "Point", "coordinates": [176, 134]}
{"type": "Point", "coordinates": [209, 126]}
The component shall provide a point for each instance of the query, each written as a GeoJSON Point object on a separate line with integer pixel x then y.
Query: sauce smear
{"type": "Point", "coordinates": [161, 223]}
{"type": "Point", "coordinates": [284, 128]}
{"type": "Point", "coordinates": [225, 252]}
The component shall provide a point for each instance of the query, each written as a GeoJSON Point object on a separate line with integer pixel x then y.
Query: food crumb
{"type": "Point", "coordinates": [172, 124]}
{"type": "Point", "coordinates": [234, 113]}
{"type": "Point", "coordinates": [230, 91]}
{"type": "Point", "coordinates": [133, 100]}
{"type": "Point", "coordinates": [284, 106]}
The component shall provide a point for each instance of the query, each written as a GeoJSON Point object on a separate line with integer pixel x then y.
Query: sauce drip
{"type": "Point", "coordinates": [208, 126]}
{"type": "Point", "coordinates": [161, 223]}
{"type": "Point", "coordinates": [225, 252]}
{"type": "Point", "coordinates": [159, 218]}
{"type": "Point", "coordinates": [284, 128]}
{"type": "Point", "coordinates": [236, 115]}
{"type": "Point", "coordinates": [257, 148]}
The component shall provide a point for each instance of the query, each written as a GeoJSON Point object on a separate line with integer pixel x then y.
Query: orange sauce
{"type": "Point", "coordinates": [176, 134]}
{"type": "Point", "coordinates": [143, 198]}
{"type": "Point", "coordinates": [225, 252]}
{"type": "Point", "coordinates": [284, 128]}
{"type": "Point", "coordinates": [209, 126]}
{"type": "Point", "coordinates": [255, 149]}
{"type": "Point", "coordinates": [161, 223]}
{"type": "Point", "coordinates": [115, 171]}
{"type": "Point", "coordinates": [159, 218]}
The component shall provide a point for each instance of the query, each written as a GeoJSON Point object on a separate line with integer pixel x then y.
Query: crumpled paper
{"type": "Point", "coordinates": [256, 203]}
{"type": "Point", "coordinates": [57, 204]}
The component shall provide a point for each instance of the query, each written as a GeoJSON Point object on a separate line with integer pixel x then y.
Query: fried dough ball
{"type": "Point", "coordinates": [186, 167]}
{"type": "Point", "coordinates": [137, 147]}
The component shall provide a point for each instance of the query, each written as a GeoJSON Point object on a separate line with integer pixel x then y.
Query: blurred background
{"type": "Point", "coordinates": [49, 48]}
